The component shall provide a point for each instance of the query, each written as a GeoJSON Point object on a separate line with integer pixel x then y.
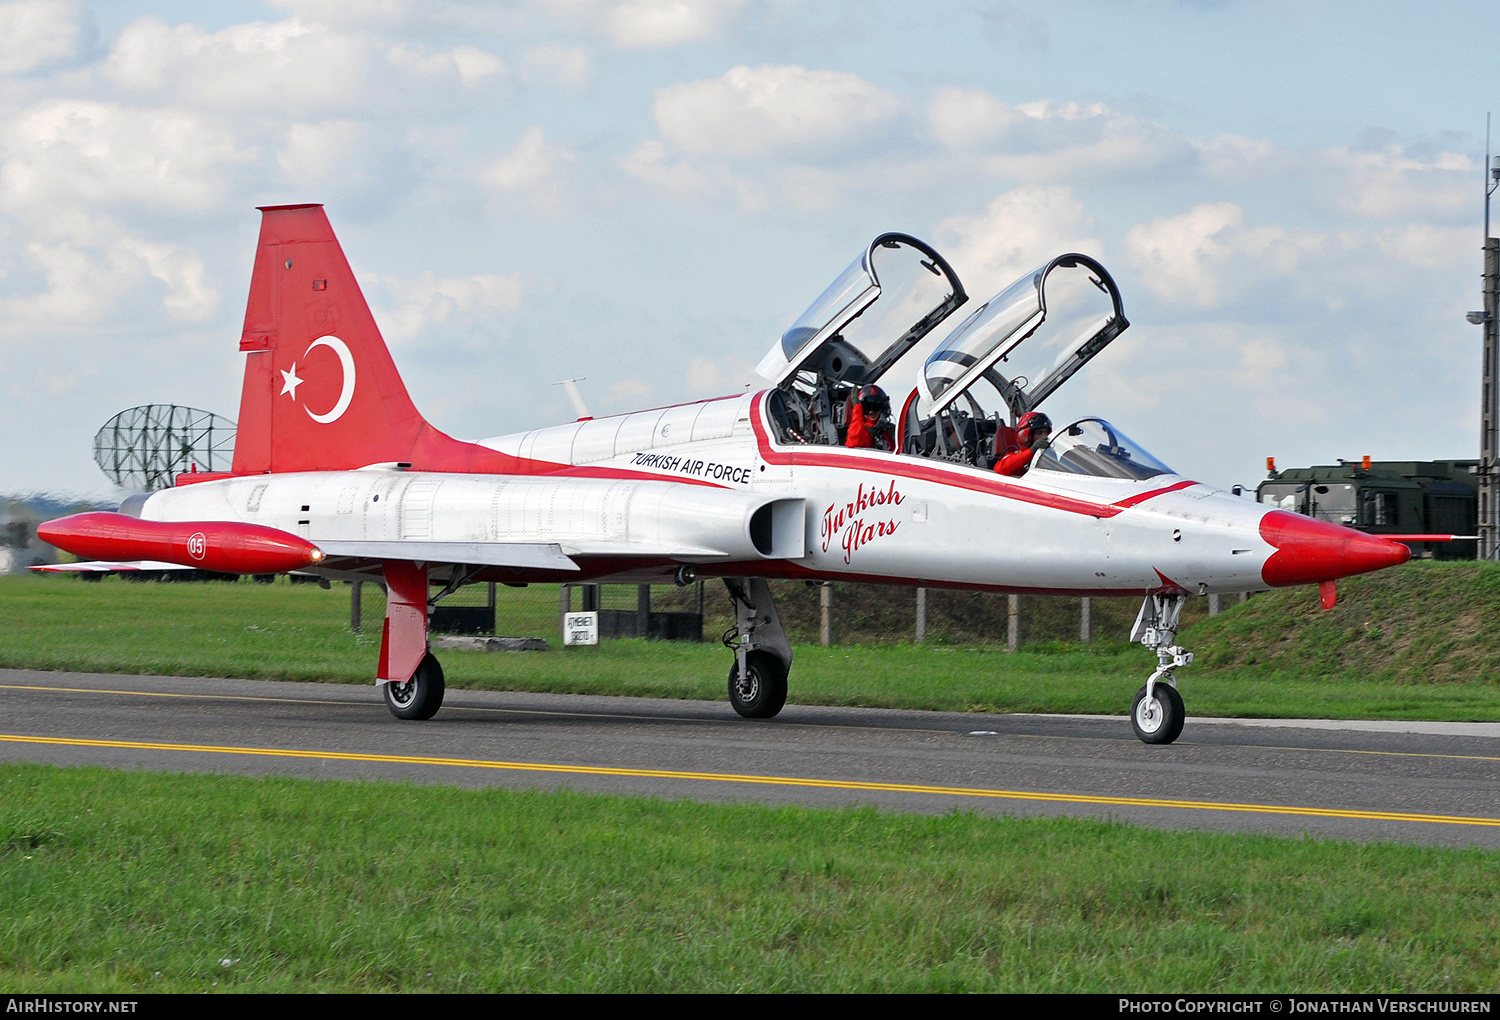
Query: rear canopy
{"type": "Point", "coordinates": [891, 296]}
{"type": "Point", "coordinates": [1031, 337]}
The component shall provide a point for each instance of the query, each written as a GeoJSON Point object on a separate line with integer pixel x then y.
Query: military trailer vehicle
{"type": "Point", "coordinates": [1390, 497]}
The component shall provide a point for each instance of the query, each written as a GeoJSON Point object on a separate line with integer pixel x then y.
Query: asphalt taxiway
{"type": "Point", "coordinates": [1433, 783]}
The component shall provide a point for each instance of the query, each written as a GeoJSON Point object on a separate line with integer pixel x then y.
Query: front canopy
{"type": "Point", "coordinates": [1092, 446]}
{"type": "Point", "coordinates": [1034, 334]}
{"type": "Point", "coordinates": [890, 297]}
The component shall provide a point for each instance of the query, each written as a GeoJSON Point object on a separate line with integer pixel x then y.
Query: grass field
{"type": "Point", "coordinates": [125, 881]}
{"type": "Point", "coordinates": [1421, 642]}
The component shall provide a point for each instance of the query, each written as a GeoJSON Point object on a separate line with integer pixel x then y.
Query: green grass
{"type": "Point", "coordinates": [1275, 656]}
{"type": "Point", "coordinates": [116, 881]}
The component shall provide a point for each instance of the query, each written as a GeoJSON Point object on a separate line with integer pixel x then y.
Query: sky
{"type": "Point", "coordinates": [646, 193]}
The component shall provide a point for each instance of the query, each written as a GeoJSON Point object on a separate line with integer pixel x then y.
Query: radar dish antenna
{"type": "Point", "coordinates": [145, 448]}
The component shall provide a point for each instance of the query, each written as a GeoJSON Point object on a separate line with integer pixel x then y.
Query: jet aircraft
{"type": "Point", "coordinates": [337, 474]}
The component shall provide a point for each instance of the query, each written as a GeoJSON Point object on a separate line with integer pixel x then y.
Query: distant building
{"type": "Point", "coordinates": [1391, 497]}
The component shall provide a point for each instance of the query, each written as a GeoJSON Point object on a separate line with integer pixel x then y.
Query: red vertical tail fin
{"type": "Point", "coordinates": [321, 391]}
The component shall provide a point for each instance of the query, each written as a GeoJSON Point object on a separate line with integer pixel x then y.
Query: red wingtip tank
{"type": "Point", "coordinates": [228, 547]}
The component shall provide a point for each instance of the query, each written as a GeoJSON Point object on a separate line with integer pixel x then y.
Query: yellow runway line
{"type": "Point", "coordinates": [791, 781]}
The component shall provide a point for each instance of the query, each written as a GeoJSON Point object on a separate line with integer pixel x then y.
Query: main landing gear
{"type": "Point", "coordinates": [762, 654]}
{"type": "Point", "coordinates": [421, 696]}
{"type": "Point", "coordinates": [409, 676]}
{"type": "Point", "coordinates": [1157, 714]}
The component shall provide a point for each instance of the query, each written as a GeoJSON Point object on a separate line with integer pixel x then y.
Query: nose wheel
{"type": "Point", "coordinates": [1157, 714]}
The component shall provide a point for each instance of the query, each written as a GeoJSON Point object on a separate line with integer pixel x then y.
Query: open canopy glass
{"type": "Point", "coordinates": [890, 297]}
{"type": "Point", "coordinates": [1031, 337]}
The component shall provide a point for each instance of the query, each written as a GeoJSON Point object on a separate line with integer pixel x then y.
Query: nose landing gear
{"type": "Point", "coordinates": [1157, 713]}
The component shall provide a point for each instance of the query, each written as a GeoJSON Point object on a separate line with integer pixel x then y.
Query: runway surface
{"type": "Point", "coordinates": [1433, 783]}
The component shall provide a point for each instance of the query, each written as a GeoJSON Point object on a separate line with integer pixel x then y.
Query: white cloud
{"type": "Point", "coordinates": [1392, 182]}
{"type": "Point", "coordinates": [70, 151]}
{"type": "Point", "coordinates": [1431, 247]}
{"type": "Point", "coordinates": [189, 295]}
{"type": "Point", "coordinates": [650, 162]}
{"type": "Point", "coordinates": [530, 170]}
{"type": "Point", "coordinates": [627, 390]}
{"type": "Point", "coordinates": [1046, 140]}
{"type": "Point", "coordinates": [652, 24]}
{"type": "Point", "coordinates": [1017, 232]}
{"type": "Point", "coordinates": [568, 67]}
{"type": "Point", "coordinates": [34, 33]}
{"type": "Point", "coordinates": [414, 17]}
{"type": "Point", "coordinates": [319, 153]}
{"type": "Point", "coordinates": [337, 160]}
{"type": "Point", "coordinates": [468, 63]}
{"type": "Point", "coordinates": [1231, 157]}
{"type": "Point", "coordinates": [1207, 256]}
{"type": "Point", "coordinates": [88, 272]}
{"type": "Point", "coordinates": [968, 119]}
{"type": "Point", "coordinates": [283, 67]}
{"type": "Point", "coordinates": [428, 300]}
{"type": "Point", "coordinates": [773, 109]}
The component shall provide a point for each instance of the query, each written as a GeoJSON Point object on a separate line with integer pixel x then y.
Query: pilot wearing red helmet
{"type": "Point", "coordinates": [1032, 433]}
{"type": "Point", "coordinates": [869, 419]}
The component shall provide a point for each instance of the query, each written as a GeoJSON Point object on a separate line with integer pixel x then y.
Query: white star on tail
{"type": "Point", "coordinates": [290, 381]}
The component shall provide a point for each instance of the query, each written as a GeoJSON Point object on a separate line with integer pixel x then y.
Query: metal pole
{"type": "Point", "coordinates": [1489, 400]}
{"type": "Point", "coordinates": [1085, 620]}
{"type": "Point", "coordinates": [1489, 407]}
{"type": "Point", "coordinates": [564, 605]}
{"type": "Point", "coordinates": [825, 614]}
{"type": "Point", "coordinates": [1215, 605]}
{"type": "Point", "coordinates": [356, 604]}
{"type": "Point", "coordinates": [1012, 622]}
{"type": "Point", "coordinates": [643, 610]}
{"type": "Point", "coordinates": [921, 615]}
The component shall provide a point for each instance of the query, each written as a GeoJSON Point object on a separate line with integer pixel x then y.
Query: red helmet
{"type": "Point", "coordinates": [1033, 423]}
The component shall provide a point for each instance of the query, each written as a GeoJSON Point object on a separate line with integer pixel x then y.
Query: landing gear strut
{"type": "Point", "coordinates": [409, 676]}
{"type": "Point", "coordinates": [762, 654]}
{"type": "Point", "coordinates": [1157, 714]}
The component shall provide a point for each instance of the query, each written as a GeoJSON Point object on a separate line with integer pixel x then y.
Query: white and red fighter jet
{"type": "Point", "coordinates": [336, 473]}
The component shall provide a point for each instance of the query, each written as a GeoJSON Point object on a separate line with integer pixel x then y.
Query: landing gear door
{"type": "Point", "coordinates": [1031, 337]}
{"type": "Point", "coordinates": [890, 297]}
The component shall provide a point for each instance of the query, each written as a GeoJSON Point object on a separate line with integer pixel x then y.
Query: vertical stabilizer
{"type": "Point", "coordinates": [321, 391]}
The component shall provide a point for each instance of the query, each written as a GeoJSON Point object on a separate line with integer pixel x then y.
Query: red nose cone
{"type": "Point", "coordinates": [1310, 551]}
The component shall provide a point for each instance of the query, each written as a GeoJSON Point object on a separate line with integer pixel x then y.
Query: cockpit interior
{"type": "Point", "coordinates": [974, 385]}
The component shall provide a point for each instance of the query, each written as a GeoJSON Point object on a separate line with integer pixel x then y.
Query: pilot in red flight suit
{"type": "Point", "coordinates": [1032, 433]}
{"type": "Point", "coordinates": [869, 419]}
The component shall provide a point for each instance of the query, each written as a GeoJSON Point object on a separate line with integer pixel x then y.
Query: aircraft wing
{"type": "Point", "coordinates": [530, 555]}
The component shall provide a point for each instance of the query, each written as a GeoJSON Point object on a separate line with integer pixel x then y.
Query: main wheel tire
{"type": "Point", "coordinates": [761, 692]}
{"type": "Point", "coordinates": [1159, 719]}
{"type": "Point", "coordinates": [421, 696]}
